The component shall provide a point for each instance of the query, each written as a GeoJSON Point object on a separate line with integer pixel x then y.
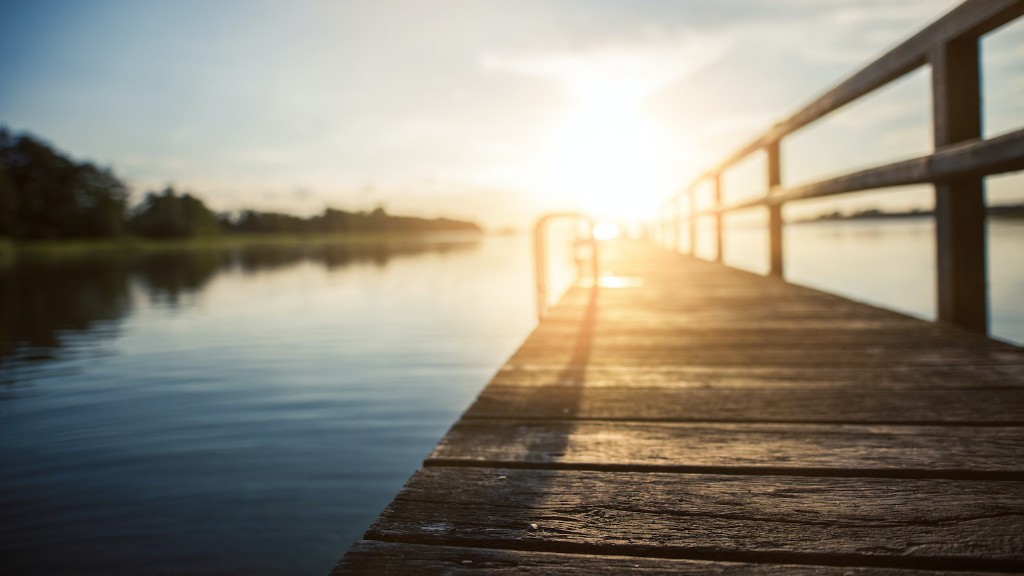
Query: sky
{"type": "Point", "coordinates": [489, 110]}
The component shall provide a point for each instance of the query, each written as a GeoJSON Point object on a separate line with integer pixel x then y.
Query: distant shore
{"type": "Point", "coordinates": [10, 248]}
{"type": "Point", "coordinates": [1015, 211]}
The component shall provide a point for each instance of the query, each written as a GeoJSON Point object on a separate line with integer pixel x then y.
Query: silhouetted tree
{"type": "Point", "coordinates": [8, 204]}
{"type": "Point", "coordinates": [334, 221]}
{"type": "Point", "coordinates": [252, 222]}
{"type": "Point", "coordinates": [168, 215]}
{"type": "Point", "coordinates": [101, 198]}
{"type": "Point", "coordinates": [44, 194]}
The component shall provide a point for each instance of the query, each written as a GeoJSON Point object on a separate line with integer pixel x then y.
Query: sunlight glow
{"type": "Point", "coordinates": [612, 281]}
{"type": "Point", "coordinates": [606, 231]}
{"type": "Point", "coordinates": [610, 155]}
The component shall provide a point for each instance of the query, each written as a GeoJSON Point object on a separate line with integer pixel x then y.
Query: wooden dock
{"type": "Point", "coordinates": [681, 417]}
{"type": "Point", "coordinates": [688, 418]}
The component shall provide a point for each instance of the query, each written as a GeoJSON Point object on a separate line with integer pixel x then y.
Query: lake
{"type": "Point", "coordinates": [888, 263]}
{"type": "Point", "coordinates": [252, 410]}
{"type": "Point", "coordinates": [246, 411]}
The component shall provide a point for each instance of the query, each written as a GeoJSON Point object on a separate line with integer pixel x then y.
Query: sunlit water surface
{"type": "Point", "coordinates": [236, 412]}
{"type": "Point", "coordinates": [888, 263]}
{"type": "Point", "coordinates": [253, 411]}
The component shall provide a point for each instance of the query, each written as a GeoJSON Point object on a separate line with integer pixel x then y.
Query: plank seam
{"type": "Point", "coordinates": [846, 560]}
{"type": "Point", "coordinates": [889, 473]}
{"type": "Point", "coordinates": [878, 422]}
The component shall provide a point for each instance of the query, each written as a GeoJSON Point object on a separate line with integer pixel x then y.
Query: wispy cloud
{"type": "Point", "coordinates": [637, 68]}
{"type": "Point", "coordinates": [843, 31]}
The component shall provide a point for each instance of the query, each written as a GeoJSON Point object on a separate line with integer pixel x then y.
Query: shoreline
{"type": "Point", "coordinates": [1002, 212]}
{"type": "Point", "coordinates": [11, 248]}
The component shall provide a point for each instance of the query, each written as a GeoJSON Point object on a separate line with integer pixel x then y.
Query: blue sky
{"type": "Point", "coordinates": [479, 109]}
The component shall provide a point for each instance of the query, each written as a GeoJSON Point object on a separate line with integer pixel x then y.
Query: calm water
{"type": "Point", "coordinates": [889, 264]}
{"type": "Point", "coordinates": [247, 412]}
{"type": "Point", "coordinates": [253, 411]}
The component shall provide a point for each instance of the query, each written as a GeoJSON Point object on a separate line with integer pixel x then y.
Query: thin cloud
{"type": "Point", "coordinates": [642, 67]}
{"type": "Point", "coordinates": [843, 31]}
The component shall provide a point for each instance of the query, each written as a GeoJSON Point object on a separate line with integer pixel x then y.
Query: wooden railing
{"type": "Point", "coordinates": [956, 169]}
{"type": "Point", "coordinates": [581, 237]}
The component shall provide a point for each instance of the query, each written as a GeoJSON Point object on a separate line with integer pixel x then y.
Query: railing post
{"type": "Point", "coordinates": [540, 255]}
{"type": "Point", "coordinates": [677, 225]}
{"type": "Point", "coordinates": [775, 266]}
{"type": "Point", "coordinates": [540, 267]}
{"type": "Point", "coordinates": [716, 188]}
{"type": "Point", "coordinates": [959, 203]}
{"type": "Point", "coordinates": [691, 193]}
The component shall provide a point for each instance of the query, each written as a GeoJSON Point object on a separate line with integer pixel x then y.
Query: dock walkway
{"type": "Point", "coordinates": [689, 418]}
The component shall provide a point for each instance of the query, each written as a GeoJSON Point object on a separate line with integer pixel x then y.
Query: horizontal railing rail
{"type": "Point", "coordinates": [540, 253]}
{"type": "Point", "coordinates": [956, 169]}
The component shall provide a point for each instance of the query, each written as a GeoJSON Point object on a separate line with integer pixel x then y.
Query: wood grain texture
{"type": "Point", "coordinates": [879, 378]}
{"type": "Point", "coordinates": [681, 417]}
{"type": "Point", "coordinates": [969, 20]}
{"type": "Point", "coordinates": [854, 521]}
{"type": "Point", "coordinates": [847, 405]}
{"type": "Point", "coordinates": [390, 559]}
{"type": "Point", "coordinates": [935, 451]}
{"type": "Point", "coordinates": [823, 356]}
{"type": "Point", "coordinates": [777, 337]}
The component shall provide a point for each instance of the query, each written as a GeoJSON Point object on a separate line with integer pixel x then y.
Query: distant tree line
{"type": "Point", "coordinates": [334, 221]}
{"type": "Point", "coordinates": [46, 195]}
{"type": "Point", "coordinates": [43, 194]}
{"type": "Point", "coordinates": [999, 211]}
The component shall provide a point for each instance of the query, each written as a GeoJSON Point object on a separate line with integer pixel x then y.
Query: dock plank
{"type": "Point", "coordinates": [824, 450]}
{"type": "Point", "coordinates": [881, 379]}
{"type": "Point", "coordinates": [683, 417]}
{"type": "Point", "coordinates": [390, 559]}
{"type": "Point", "coordinates": [860, 521]}
{"type": "Point", "coordinates": [978, 406]}
{"type": "Point", "coordinates": [825, 354]}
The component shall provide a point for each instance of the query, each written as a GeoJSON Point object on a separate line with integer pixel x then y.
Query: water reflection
{"type": "Point", "coordinates": [46, 298]}
{"type": "Point", "coordinates": [246, 411]}
{"type": "Point", "coordinates": [42, 299]}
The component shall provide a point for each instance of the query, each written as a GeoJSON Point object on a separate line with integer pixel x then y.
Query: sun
{"type": "Point", "coordinates": [606, 231]}
{"type": "Point", "coordinates": [610, 156]}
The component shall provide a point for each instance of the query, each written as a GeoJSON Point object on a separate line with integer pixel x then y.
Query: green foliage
{"type": "Point", "coordinates": [8, 204]}
{"type": "Point", "coordinates": [43, 194]}
{"type": "Point", "coordinates": [334, 221]}
{"type": "Point", "coordinates": [252, 222]}
{"type": "Point", "coordinates": [169, 215]}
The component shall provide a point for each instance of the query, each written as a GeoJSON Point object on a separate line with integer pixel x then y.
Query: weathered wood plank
{"type": "Point", "coordinates": [767, 350]}
{"type": "Point", "coordinates": [821, 355]}
{"type": "Point", "coordinates": [850, 521]}
{"type": "Point", "coordinates": [826, 450]}
{"type": "Point", "coordinates": [1002, 153]}
{"type": "Point", "coordinates": [879, 378]}
{"type": "Point", "coordinates": [843, 405]}
{"type": "Point", "coordinates": [962, 25]}
{"type": "Point", "coordinates": [684, 319]}
{"type": "Point", "coordinates": [732, 316]}
{"type": "Point", "coordinates": [960, 239]}
{"type": "Point", "coordinates": [971, 18]}
{"type": "Point", "coordinates": [387, 559]}
{"type": "Point", "coordinates": [679, 423]}
{"type": "Point", "coordinates": [975, 157]}
{"type": "Point", "coordinates": [690, 297]}
{"type": "Point", "coordinates": [778, 336]}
